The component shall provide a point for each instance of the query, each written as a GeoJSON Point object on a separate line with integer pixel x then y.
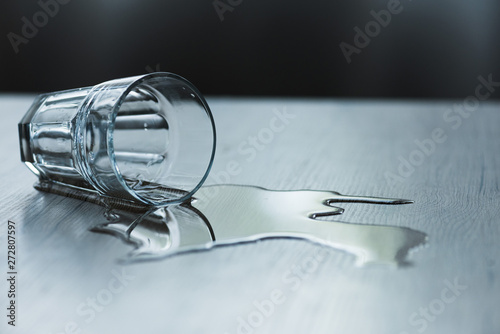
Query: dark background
{"type": "Point", "coordinates": [432, 49]}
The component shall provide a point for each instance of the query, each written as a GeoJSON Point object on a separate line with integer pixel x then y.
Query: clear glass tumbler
{"type": "Point", "coordinates": [148, 138]}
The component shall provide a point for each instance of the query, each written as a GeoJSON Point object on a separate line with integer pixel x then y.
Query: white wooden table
{"type": "Point", "coordinates": [69, 280]}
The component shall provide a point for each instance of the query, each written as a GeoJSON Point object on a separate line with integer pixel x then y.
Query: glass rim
{"type": "Point", "coordinates": [110, 146]}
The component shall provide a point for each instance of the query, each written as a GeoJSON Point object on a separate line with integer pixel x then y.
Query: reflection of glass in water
{"type": "Point", "coordinates": [226, 214]}
{"type": "Point", "coordinates": [158, 232]}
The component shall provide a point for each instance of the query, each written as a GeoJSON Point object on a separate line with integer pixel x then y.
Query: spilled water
{"type": "Point", "coordinates": [231, 214]}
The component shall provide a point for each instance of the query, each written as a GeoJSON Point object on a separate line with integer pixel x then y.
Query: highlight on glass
{"type": "Point", "coordinates": [148, 139]}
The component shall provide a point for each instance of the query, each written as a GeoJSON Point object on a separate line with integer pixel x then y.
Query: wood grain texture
{"type": "Point", "coordinates": [340, 145]}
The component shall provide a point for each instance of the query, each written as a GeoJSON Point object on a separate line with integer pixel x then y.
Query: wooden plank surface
{"type": "Point", "coordinates": [71, 282]}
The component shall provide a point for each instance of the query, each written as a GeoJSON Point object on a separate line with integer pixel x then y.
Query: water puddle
{"type": "Point", "coordinates": [231, 214]}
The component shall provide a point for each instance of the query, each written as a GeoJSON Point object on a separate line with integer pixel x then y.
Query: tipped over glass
{"type": "Point", "coordinates": [148, 139]}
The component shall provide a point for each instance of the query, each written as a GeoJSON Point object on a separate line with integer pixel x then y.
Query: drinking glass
{"type": "Point", "coordinates": [148, 139]}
